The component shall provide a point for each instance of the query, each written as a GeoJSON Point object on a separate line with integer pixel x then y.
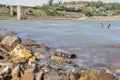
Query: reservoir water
{"type": "Point", "coordinates": [96, 46]}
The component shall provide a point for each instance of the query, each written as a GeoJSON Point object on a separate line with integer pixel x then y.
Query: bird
{"type": "Point", "coordinates": [109, 26]}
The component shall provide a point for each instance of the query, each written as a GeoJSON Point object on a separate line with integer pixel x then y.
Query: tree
{"type": "Point", "coordinates": [50, 2]}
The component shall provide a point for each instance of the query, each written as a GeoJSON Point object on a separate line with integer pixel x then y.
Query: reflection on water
{"type": "Point", "coordinates": [95, 45]}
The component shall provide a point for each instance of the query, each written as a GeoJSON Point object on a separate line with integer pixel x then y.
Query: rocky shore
{"type": "Point", "coordinates": [23, 59]}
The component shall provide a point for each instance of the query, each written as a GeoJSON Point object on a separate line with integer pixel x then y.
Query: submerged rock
{"type": "Point", "coordinates": [44, 47]}
{"type": "Point", "coordinates": [10, 42]}
{"type": "Point", "coordinates": [59, 59]}
{"type": "Point", "coordinates": [30, 43]}
{"type": "Point", "coordinates": [5, 32]}
{"type": "Point", "coordinates": [65, 54]}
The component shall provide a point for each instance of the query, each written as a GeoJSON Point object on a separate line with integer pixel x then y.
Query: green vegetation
{"type": "Point", "coordinates": [100, 9]}
{"type": "Point", "coordinates": [92, 8]}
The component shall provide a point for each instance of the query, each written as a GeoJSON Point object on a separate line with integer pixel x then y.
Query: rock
{"type": "Point", "coordinates": [52, 76]}
{"type": "Point", "coordinates": [1, 37]}
{"type": "Point", "coordinates": [4, 70]}
{"type": "Point", "coordinates": [4, 55]}
{"type": "Point", "coordinates": [32, 59]}
{"type": "Point", "coordinates": [65, 54]}
{"type": "Point", "coordinates": [60, 59]}
{"type": "Point", "coordinates": [28, 76]}
{"type": "Point", "coordinates": [5, 73]}
{"type": "Point", "coordinates": [96, 75]}
{"type": "Point", "coordinates": [2, 49]}
{"type": "Point", "coordinates": [10, 42]}
{"type": "Point", "coordinates": [31, 68]}
{"type": "Point", "coordinates": [40, 75]}
{"type": "Point", "coordinates": [20, 52]}
{"type": "Point", "coordinates": [16, 71]}
{"type": "Point", "coordinates": [39, 55]}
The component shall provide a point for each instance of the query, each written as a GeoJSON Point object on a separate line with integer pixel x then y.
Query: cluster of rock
{"type": "Point", "coordinates": [26, 60]}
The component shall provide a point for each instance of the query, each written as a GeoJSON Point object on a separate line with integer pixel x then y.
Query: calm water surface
{"type": "Point", "coordinates": [97, 47]}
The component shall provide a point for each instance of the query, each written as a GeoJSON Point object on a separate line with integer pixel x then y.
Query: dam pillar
{"type": "Point", "coordinates": [11, 10]}
{"type": "Point", "coordinates": [18, 12]}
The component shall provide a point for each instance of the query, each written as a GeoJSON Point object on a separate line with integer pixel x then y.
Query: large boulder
{"type": "Point", "coordinates": [20, 52]}
{"type": "Point", "coordinates": [10, 42]}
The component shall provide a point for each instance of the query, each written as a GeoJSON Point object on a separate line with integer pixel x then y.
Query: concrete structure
{"type": "Point", "coordinates": [18, 12]}
{"type": "Point", "coordinates": [11, 10]}
{"type": "Point", "coordinates": [14, 10]}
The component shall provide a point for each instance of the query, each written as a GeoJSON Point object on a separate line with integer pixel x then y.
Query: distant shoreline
{"type": "Point", "coordinates": [66, 18]}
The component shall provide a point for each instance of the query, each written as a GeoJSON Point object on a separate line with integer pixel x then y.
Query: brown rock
{"type": "Point", "coordinates": [1, 37]}
{"type": "Point", "coordinates": [52, 76]}
{"type": "Point", "coordinates": [9, 42]}
{"type": "Point", "coordinates": [28, 76]}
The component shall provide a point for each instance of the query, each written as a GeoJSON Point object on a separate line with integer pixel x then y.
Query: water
{"type": "Point", "coordinates": [96, 47]}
